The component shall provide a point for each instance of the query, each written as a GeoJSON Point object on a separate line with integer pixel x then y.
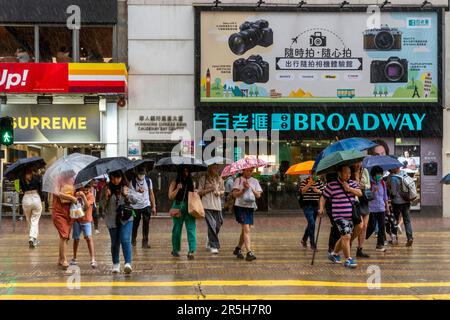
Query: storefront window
{"type": "Point", "coordinates": [96, 44]}
{"type": "Point", "coordinates": [407, 151]}
{"type": "Point", "coordinates": [16, 44]}
{"type": "Point", "coordinates": [55, 44]}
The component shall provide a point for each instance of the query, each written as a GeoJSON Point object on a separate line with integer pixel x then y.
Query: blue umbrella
{"type": "Point", "coordinates": [446, 179]}
{"type": "Point", "coordinates": [359, 144]}
{"type": "Point", "coordinates": [385, 162]}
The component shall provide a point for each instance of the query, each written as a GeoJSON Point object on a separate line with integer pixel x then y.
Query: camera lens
{"type": "Point", "coordinates": [394, 71]}
{"type": "Point", "coordinates": [244, 40]}
{"type": "Point", "coordinates": [384, 40]}
{"type": "Point", "coordinates": [251, 73]}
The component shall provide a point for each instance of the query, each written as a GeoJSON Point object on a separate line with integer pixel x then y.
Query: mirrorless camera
{"type": "Point", "coordinates": [251, 34]}
{"type": "Point", "coordinates": [251, 70]}
{"type": "Point", "coordinates": [393, 69]}
{"type": "Point", "coordinates": [383, 39]}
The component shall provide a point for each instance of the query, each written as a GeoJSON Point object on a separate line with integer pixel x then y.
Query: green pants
{"type": "Point", "coordinates": [178, 228]}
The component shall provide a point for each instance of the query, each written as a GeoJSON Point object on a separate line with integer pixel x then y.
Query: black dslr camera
{"type": "Point", "coordinates": [383, 39]}
{"type": "Point", "coordinates": [392, 70]}
{"type": "Point", "coordinates": [250, 35]}
{"type": "Point", "coordinates": [252, 70]}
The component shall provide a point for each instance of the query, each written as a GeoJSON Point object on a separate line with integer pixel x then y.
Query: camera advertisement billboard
{"type": "Point", "coordinates": [318, 57]}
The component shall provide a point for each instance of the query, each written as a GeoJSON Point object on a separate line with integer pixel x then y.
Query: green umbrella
{"type": "Point", "coordinates": [338, 158]}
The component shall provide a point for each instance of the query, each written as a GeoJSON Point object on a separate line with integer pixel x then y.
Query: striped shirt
{"type": "Point", "coordinates": [310, 195]}
{"type": "Point", "coordinates": [341, 207]}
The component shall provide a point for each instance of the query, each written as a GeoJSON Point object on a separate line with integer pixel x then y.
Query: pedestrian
{"type": "Point", "coordinates": [379, 206]}
{"type": "Point", "coordinates": [145, 207]}
{"type": "Point", "coordinates": [117, 198]}
{"type": "Point", "coordinates": [311, 190]}
{"type": "Point", "coordinates": [95, 206]}
{"type": "Point", "coordinates": [84, 225]}
{"type": "Point", "coordinates": [400, 206]}
{"type": "Point", "coordinates": [63, 197]}
{"type": "Point", "coordinates": [341, 193]}
{"type": "Point", "coordinates": [178, 192]}
{"type": "Point", "coordinates": [334, 231]}
{"type": "Point", "coordinates": [229, 199]}
{"type": "Point", "coordinates": [246, 190]}
{"type": "Point", "coordinates": [211, 188]}
{"type": "Point", "coordinates": [31, 186]}
{"type": "Point", "coordinates": [362, 177]}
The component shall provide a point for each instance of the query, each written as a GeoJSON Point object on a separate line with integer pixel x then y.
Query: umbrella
{"type": "Point", "coordinates": [246, 163]}
{"type": "Point", "coordinates": [148, 164]}
{"type": "Point", "coordinates": [385, 162]}
{"type": "Point", "coordinates": [15, 170]}
{"type": "Point", "coordinates": [332, 161]}
{"type": "Point", "coordinates": [226, 171]}
{"type": "Point", "coordinates": [301, 168]}
{"type": "Point", "coordinates": [172, 164]}
{"type": "Point", "coordinates": [446, 179]}
{"type": "Point", "coordinates": [104, 166]}
{"type": "Point", "coordinates": [360, 144]}
{"type": "Point", "coordinates": [65, 167]}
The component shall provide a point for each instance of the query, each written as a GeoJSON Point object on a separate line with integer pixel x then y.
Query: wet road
{"type": "Point", "coordinates": [282, 269]}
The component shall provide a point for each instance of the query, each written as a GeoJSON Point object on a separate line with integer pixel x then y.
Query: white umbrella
{"type": "Point", "coordinates": [65, 168]}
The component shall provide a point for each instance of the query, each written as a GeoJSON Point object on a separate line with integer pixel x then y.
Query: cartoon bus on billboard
{"type": "Point", "coordinates": [345, 93]}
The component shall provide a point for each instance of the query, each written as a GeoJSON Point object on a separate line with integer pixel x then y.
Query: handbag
{"type": "Point", "coordinates": [76, 211]}
{"type": "Point", "coordinates": [195, 205]}
{"type": "Point", "coordinates": [368, 194]}
{"type": "Point", "coordinates": [124, 213]}
{"type": "Point", "coordinates": [356, 210]}
{"type": "Point", "coordinates": [175, 212]}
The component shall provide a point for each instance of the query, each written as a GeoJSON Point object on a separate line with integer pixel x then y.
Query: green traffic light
{"type": "Point", "coordinates": [6, 138]}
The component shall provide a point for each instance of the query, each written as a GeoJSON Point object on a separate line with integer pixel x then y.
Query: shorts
{"type": "Point", "coordinates": [244, 215]}
{"type": "Point", "coordinates": [78, 227]}
{"type": "Point", "coordinates": [344, 226]}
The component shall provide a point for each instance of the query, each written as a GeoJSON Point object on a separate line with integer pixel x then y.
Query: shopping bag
{"type": "Point", "coordinates": [76, 211]}
{"type": "Point", "coordinates": [195, 206]}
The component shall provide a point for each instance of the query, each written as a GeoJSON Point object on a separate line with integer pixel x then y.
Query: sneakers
{"type": "Point", "coordinates": [94, 264]}
{"type": "Point", "coordinates": [97, 231]}
{"type": "Point", "coordinates": [250, 256]}
{"type": "Point", "coordinates": [409, 243]}
{"type": "Point", "coordinates": [303, 242]}
{"type": "Point", "coordinates": [190, 256]}
{"type": "Point", "coordinates": [73, 262]}
{"type": "Point", "coordinates": [238, 253]}
{"type": "Point", "coordinates": [361, 254]}
{"type": "Point", "coordinates": [214, 250]}
{"type": "Point", "coordinates": [381, 249]}
{"type": "Point", "coordinates": [175, 254]}
{"type": "Point", "coordinates": [335, 258]}
{"type": "Point", "coordinates": [31, 242]}
{"type": "Point", "coordinates": [127, 268]}
{"type": "Point", "coordinates": [350, 263]}
{"type": "Point", "coordinates": [116, 268]}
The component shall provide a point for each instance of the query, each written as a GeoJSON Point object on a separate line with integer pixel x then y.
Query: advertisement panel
{"type": "Point", "coordinates": [250, 57]}
{"type": "Point", "coordinates": [54, 123]}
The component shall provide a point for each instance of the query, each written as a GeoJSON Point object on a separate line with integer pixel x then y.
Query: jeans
{"type": "Point", "coordinates": [380, 219]}
{"type": "Point", "coordinates": [121, 236]}
{"type": "Point", "coordinates": [146, 214]}
{"type": "Point", "coordinates": [214, 222]}
{"type": "Point", "coordinates": [310, 215]}
{"type": "Point", "coordinates": [32, 207]}
{"type": "Point", "coordinates": [403, 209]}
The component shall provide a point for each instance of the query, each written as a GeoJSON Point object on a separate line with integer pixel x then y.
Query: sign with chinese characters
{"type": "Point", "coordinates": [150, 124]}
{"type": "Point", "coordinates": [256, 57]}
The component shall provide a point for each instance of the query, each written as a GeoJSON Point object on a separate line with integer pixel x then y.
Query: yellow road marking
{"type": "Point", "coordinates": [225, 283]}
{"type": "Point", "coordinates": [228, 297]}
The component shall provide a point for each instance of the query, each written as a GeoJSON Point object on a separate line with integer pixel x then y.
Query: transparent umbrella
{"type": "Point", "coordinates": [65, 168]}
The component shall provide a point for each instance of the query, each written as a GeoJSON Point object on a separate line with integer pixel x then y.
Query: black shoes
{"type": "Point", "coordinates": [409, 243]}
{"type": "Point", "coordinates": [361, 254]}
{"type": "Point", "coordinates": [250, 256]}
{"type": "Point", "coordinates": [175, 254]}
{"type": "Point", "coordinates": [145, 245]}
{"type": "Point", "coordinates": [238, 253]}
{"type": "Point", "coordinates": [190, 256]}
{"type": "Point", "coordinates": [303, 242]}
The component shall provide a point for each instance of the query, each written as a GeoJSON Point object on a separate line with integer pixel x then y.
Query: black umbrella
{"type": "Point", "coordinates": [148, 164]}
{"type": "Point", "coordinates": [172, 164]}
{"type": "Point", "coordinates": [15, 170]}
{"type": "Point", "coordinates": [104, 166]}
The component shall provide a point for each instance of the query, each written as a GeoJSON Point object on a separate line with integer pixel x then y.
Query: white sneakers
{"type": "Point", "coordinates": [97, 231]}
{"type": "Point", "coordinates": [116, 268]}
{"type": "Point", "coordinates": [214, 250]}
{"type": "Point", "coordinates": [127, 269]}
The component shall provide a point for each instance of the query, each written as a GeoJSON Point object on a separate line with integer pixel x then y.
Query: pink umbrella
{"type": "Point", "coordinates": [226, 171]}
{"type": "Point", "coordinates": [246, 163]}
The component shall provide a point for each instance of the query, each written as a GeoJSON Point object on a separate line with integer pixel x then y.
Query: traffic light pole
{"type": "Point", "coordinates": [2, 148]}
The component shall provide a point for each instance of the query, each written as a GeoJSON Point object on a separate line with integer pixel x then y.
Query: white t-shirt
{"type": "Point", "coordinates": [144, 199]}
{"type": "Point", "coordinates": [239, 184]}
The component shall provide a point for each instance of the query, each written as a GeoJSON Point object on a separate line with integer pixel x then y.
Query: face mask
{"type": "Point", "coordinates": [378, 178]}
{"type": "Point", "coordinates": [141, 176]}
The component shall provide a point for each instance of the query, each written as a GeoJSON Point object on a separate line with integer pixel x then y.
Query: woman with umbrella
{"type": "Point", "coordinates": [178, 192]}
{"type": "Point", "coordinates": [116, 197]}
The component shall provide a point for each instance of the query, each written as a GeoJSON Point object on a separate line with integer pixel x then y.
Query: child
{"type": "Point", "coordinates": [84, 224]}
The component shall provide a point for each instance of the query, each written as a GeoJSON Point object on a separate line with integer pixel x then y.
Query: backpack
{"type": "Point", "coordinates": [147, 180]}
{"type": "Point", "coordinates": [407, 189]}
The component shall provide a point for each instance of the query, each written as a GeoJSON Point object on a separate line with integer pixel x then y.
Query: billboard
{"type": "Point", "coordinates": [54, 123]}
{"type": "Point", "coordinates": [260, 57]}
